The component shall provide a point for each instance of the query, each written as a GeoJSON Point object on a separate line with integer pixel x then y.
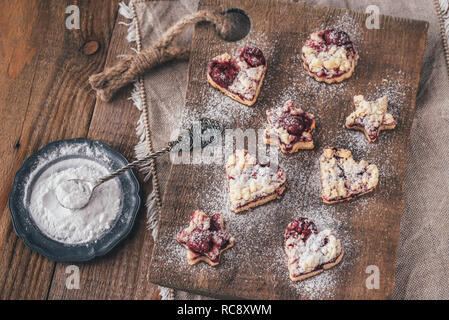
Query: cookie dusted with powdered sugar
{"type": "Point", "coordinates": [205, 238]}
{"type": "Point", "coordinates": [252, 184]}
{"type": "Point", "coordinates": [342, 178]}
{"type": "Point", "coordinates": [330, 56]}
{"type": "Point", "coordinates": [290, 128]}
{"type": "Point", "coordinates": [371, 117]}
{"type": "Point", "coordinates": [308, 251]}
{"type": "Point", "coordinates": [239, 77]}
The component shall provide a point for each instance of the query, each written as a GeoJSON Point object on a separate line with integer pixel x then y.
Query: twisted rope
{"type": "Point", "coordinates": [443, 31]}
{"type": "Point", "coordinates": [146, 124]}
{"type": "Point", "coordinates": [108, 82]}
{"type": "Point", "coordinates": [137, 163]}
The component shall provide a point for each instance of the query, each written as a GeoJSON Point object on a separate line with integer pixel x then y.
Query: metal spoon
{"type": "Point", "coordinates": [75, 194]}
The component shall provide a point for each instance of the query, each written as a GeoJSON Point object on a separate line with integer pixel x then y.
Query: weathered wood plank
{"type": "Point", "coordinates": [44, 96]}
{"type": "Point", "coordinates": [255, 268]}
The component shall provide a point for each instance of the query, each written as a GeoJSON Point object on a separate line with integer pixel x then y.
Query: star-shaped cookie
{"type": "Point", "coordinates": [205, 238]}
{"type": "Point", "coordinates": [290, 128]}
{"type": "Point", "coordinates": [239, 77]}
{"type": "Point", "coordinates": [342, 178]}
{"type": "Point", "coordinates": [371, 117]}
{"type": "Point", "coordinates": [252, 184]}
{"type": "Point", "coordinates": [308, 251]}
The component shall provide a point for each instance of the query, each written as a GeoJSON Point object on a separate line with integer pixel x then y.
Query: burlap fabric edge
{"type": "Point", "coordinates": [153, 202]}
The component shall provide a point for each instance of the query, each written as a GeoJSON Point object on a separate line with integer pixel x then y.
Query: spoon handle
{"type": "Point", "coordinates": [135, 164]}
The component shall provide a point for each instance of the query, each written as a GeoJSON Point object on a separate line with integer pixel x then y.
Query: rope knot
{"type": "Point", "coordinates": [108, 82]}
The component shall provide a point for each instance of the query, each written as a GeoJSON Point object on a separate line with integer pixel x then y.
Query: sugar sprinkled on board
{"type": "Point", "coordinates": [253, 230]}
{"type": "Point", "coordinates": [220, 107]}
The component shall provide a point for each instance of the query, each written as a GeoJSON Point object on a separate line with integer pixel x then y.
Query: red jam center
{"type": "Point", "coordinates": [296, 124]}
{"type": "Point", "coordinates": [205, 241]}
{"type": "Point", "coordinates": [333, 37]}
{"type": "Point", "coordinates": [223, 73]}
{"type": "Point", "coordinates": [337, 37]}
{"type": "Point", "coordinates": [200, 241]}
{"type": "Point", "coordinates": [300, 228]}
{"type": "Point", "coordinates": [253, 56]}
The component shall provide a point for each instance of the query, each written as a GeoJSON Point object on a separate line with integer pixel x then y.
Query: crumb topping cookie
{"type": "Point", "coordinates": [239, 77]}
{"type": "Point", "coordinates": [330, 56]}
{"type": "Point", "coordinates": [308, 251]}
{"type": "Point", "coordinates": [252, 184]}
{"type": "Point", "coordinates": [342, 178]}
{"type": "Point", "coordinates": [371, 117]}
{"type": "Point", "coordinates": [205, 238]}
{"type": "Point", "coordinates": [290, 128]}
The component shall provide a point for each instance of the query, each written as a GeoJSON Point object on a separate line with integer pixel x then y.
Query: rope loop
{"type": "Point", "coordinates": [108, 82]}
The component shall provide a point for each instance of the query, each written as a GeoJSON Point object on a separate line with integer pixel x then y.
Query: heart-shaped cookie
{"type": "Point", "coordinates": [239, 77]}
{"type": "Point", "coordinates": [205, 238]}
{"type": "Point", "coordinates": [371, 117]}
{"type": "Point", "coordinates": [342, 178]}
{"type": "Point", "coordinates": [308, 251]}
{"type": "Point", "coordinates": [252, 184]}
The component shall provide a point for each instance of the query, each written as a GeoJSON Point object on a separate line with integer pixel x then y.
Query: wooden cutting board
{"type": "Point", "coordinates": [255, 267]}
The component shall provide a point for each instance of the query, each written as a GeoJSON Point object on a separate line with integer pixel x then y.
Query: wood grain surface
{"type": "Point", "coordinates": [45, 96]}
{"type": "Point", "coordinates": [390, 63]}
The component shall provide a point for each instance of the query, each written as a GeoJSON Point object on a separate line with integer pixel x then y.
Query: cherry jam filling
{"type": "Point", "coordinates": [223, 73]}
{"type": "Point", "coordinates": [317, 46]}
{"type": "Point", "coordinates": [260, 198]}
{"type": "Point", "coordinates": [301, 228]}
{"type": "Point", "coordinates": [332, 37]}
{"type": "Point", "coordinates": [295, 124]}
{"type": "Point", "coordinates": [207, 242]}
{"type": "Point", "coordinates": [215, 222]}
{"type": "Point", "coordinates": [330, 73]}
{"type": "Point", "coordinates": [200, 241]}
{"type": "Point", "coordinates": [253, 56]}
{"type": "Point", "coordinates": [337, 37]}
{"type": "Point", "coordinates": [373, 132]}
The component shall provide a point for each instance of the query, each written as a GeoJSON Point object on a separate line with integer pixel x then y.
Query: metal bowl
{"type": "Point", "coordinates": [27, 176]}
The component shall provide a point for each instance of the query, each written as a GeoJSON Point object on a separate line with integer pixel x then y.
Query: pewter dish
{"type": "Point", "coordinates": [29, 173]}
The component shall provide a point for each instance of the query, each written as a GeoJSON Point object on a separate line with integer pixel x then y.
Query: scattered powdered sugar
{"type": "Point", "coordinates": [220, 108]}
{"type": "Point", "coordinates": [259, 233]}
{"type": "Point", "coordinates": [217, 105]}
{"type": "Point", "coordinates": [354, 28]}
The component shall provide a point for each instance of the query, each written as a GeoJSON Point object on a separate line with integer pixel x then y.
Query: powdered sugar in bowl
{"type": "Point", "coordinates": [61, 234]}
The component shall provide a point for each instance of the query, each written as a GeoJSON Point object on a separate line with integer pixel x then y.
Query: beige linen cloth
{"type": "Point", "coordinates": [423, 252]}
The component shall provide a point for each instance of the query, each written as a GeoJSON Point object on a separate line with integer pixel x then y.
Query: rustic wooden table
{"type": "Point", "coordinates": [45, 96]}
